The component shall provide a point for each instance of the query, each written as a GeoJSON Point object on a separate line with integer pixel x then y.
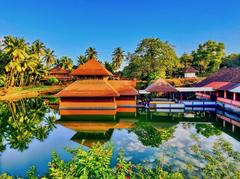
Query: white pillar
{"type": "Point", "coordinates": [233, 128]}
{"type": "Point", "coordinates": [224, 123]}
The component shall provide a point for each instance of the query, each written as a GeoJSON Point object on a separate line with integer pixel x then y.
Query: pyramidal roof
{"type": "Point", "coordinates": [91, 68]}
{"type": "Point", "coordinates": [89, 88]}
{"type": "Point", "coordinates": [160, 86]}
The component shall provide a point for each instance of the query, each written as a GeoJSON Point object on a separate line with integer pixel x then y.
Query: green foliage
{"type": "Point", "coordinates": [108, 66]}
{"type": "Point", "coordinates": [91, 53]}
{"type": "Point", "coordinates": [117, 58]}
{"type": "Point", "coordinates": [23, 121]}
{"type": "Point", "coordinates": [223, 162]}
{"type": "Point", "coordinates": [150, 136]}
{"type": "Point", "coordinates": [152, 59]}
{"type": "Point", "coordinates": [207, 130]}
{"type": "Point", "coordinates": [2, 80]}
{"type": "Point", "coordinates": [24, 64]}
{"type": "Point", "coordinates": [65, 63]}
{"type": "Point", "coordinates": [208, 57]}
{"type": "Point", "coordinates": [81, 59]}
{"type": "Point", "coordinates": [53, 80]}
{"type": "Point", "coordinates": [232, 60]}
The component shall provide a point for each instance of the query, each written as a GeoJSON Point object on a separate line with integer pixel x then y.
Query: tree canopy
{"type": "Point", "coordinates": [152, 58]}
{"type": "Point", "coordinates": [208, 56]}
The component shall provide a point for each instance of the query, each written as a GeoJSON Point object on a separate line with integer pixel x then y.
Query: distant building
{"type": "Point", "coordinates": [226, 86]}
{"type": "Point", "coordinates": [190, 72]}
{"type": "Point", "coordinates": [59, 73]}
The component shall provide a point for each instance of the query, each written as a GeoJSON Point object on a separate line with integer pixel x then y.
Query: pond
{"type": "Point", "coordinates": [30, 130]}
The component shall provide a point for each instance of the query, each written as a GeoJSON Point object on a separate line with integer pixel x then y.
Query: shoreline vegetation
{"type": "Point", "coordinates": [18, 93]}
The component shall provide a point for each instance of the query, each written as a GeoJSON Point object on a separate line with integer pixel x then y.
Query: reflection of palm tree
{"type": "Point", "coordinates": [25, 121]}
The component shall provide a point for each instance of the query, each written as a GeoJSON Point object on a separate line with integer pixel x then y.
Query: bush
{"type": "Point", "coordinates": [53, 81]}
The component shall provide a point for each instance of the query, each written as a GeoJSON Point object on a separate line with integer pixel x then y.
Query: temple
{"type": "Point", "coordinates": [94, 93]}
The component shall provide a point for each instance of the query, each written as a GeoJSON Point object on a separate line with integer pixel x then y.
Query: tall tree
{"type": "Point", "coordinates": [66, 63]}
{"type": "Point", "coordinates": [186, 60]}
{"type": "Point", "coordinates": [49, 57]}
{"type": "Point", "coordinates": [152, 59]}
{"type": "Point", "coordinates": [117, 58]}
{"type": "Point", "coordinates": [81, 59]}
{"type": "Point", "coordinates": [91, 53]}
{"type": "Point", "coordinates": [208, 57]}
{"type": "Point", "coordinates": [38, 48]}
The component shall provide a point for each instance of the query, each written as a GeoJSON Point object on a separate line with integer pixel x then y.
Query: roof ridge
{"type": "Point", "coordinates": [111, 87]}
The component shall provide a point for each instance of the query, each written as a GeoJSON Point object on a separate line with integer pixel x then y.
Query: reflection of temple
{"type": "Point", "coordinates": [93, 132]}
{"type": "Point", "coordinates": [93, 93]}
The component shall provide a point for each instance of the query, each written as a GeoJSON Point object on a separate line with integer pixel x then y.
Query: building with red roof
{"type": "Point", "coordinates": [223, 82]}
{"type": "Point", "coordinates": [59, 73]}
{"type": "Point", "coordinates": [93, 93]}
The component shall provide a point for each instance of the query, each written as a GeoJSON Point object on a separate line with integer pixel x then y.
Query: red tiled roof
{"type": "Point", "coordinates": [190, 70]}
{"type": "Point", "coordinates": [91, 68]}
{"type": "Point", "coordinates": [217, 85]}
{"type": "Point", "coordinates": [89, 88]}
{"type": "Point", "coordinates": [160, 86]}
{"type": "Point", "coordinates": [124, 87]}
{"type": "Point", "coordinates": [223, 75]}
{"type": "Point", "coordinates": [58, 70]}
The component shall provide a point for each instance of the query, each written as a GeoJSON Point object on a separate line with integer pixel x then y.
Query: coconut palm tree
{"type": "Point", "coordinates": [117, 58]}
{"type": "Point", "coordinates": [49, 57]}
{"type": "Point", "coordinates": [66, 63]}
{"type": "Point", "coordinates": [81, 59]}
{"type": "Point", "coordinates": [38, 48]}
{"type": "Point", "coordinates": [16, 49]}
{"type": "Point", "coordinates": [91, 53]}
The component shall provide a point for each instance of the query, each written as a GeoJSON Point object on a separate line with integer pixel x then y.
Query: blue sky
{"type": "Point", "coordinates": [70, 26]}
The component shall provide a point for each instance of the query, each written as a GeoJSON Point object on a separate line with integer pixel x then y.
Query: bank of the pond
{"type": "Point", "coordinates": [17, 93]}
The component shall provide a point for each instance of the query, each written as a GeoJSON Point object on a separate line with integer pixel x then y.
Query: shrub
{"type": "Point", "coordinates": [53, 80]}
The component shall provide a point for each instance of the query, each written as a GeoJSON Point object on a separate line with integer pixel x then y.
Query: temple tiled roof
{"type": "Point", "coordinates": [124, 87]}
{"type": "Point", "coordinates": [58, 70]}
{"type": "Point", "coordinates": [223, 75]}
{"type": "Point", "coordinates": [91, 68]}
{"type": "Point", "coordinates": [89, 88]}
{"type": "Point", "coordinates": [160, 86]}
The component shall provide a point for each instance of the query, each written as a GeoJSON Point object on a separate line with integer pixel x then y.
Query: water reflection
{"type": "Point", "coordinates": [23, 121]}
{"type": "Point", "coordinates": [28, 134]}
